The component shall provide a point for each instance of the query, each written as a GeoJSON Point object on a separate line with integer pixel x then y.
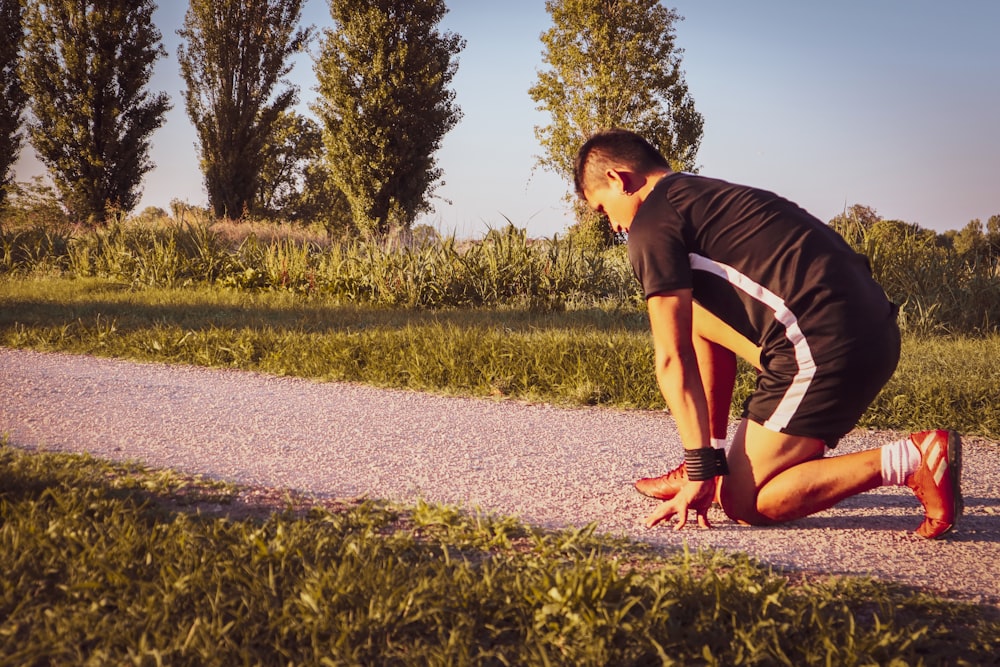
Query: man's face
{"type": "Point", "coordinates": [611, 198]}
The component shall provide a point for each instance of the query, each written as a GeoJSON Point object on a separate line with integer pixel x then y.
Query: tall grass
{"type": "Point", "coordinates": [33, 250]}
{"type": "Point", "coordinates": [116, 564]}
{"type": "Point", "coordinates": [506, 268]}
{"type": "Point", "coordinates": [938, 289]}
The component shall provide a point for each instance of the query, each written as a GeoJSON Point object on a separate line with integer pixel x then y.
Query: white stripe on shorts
{"type": "Point", "coordinates": [793, 396]}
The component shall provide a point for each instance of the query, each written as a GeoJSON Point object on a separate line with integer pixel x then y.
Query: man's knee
{"type": "Point", "coordinates": [739, 502]}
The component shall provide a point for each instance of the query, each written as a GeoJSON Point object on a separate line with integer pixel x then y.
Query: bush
{"type": "Point", "coordinates": [938, 289]}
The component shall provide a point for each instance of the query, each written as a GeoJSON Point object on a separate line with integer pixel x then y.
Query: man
{"type": "Point", "coordinates": [730, 270]}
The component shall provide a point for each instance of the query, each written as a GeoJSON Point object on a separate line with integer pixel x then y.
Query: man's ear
{"type": "Point", "coordinates": [624, 181]}
{"type": "Point", "coordinates": [618, 179]}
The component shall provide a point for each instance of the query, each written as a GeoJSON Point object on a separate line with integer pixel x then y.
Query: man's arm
{"type": "Point", "coordinates": [677, 374]}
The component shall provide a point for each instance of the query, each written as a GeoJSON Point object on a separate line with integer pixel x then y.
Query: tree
{"type": "Point", "coordinates": [235, 56]}
{"type": "Point", "coordinates": [86, 68]}
{"type": "Point", "coordinates": [993, 235]}
{"type": "Point", "coordinates": [294, 143]}
{"type": "Point", "coordinates": [295, 182]}
{"type": "Point", "coordinates": [385, 105]}
{"type": "Point", "coordinates": [12, 96]}
{"type": "Point", "coordinates": [34, 203]}
{"type": "Point", "coordinates": [970, 242]}
{"type": "Point", "coordinates": [981, 242]}
{"type": "Point", "coordinates": [320, 200]}
{"type": "Point", "coordinates": [613, 64]}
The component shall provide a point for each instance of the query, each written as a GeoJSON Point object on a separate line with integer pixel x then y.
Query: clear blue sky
{"type": "Point", "coordinates": [888, 103]}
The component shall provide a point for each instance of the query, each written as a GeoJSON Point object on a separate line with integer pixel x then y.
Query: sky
{"type": "Point", "coordinates": [892, 104]}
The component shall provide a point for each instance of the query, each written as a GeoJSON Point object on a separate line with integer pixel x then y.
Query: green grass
{"type": "Point", "coordinates": [943, 381]}
{"type": "Point", "coordinates": [583, 356]}
{"type": "Point", "coordinates": [117, 564]}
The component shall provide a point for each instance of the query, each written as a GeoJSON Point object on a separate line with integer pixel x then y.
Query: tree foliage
{"type": "Point", "coordinates": [295, 142]}
{"type": "Point", "coordinates": [855, 221]}
{"type": "Point", "coordinates": [613, 64]}
{"type": "Point", "coordinates": [86, 68]}
{"type": "Point", "coordinates": [233, 58]}
{"type": "Point", "coordinates": [975, 241]}
{"type": "Point", "coordinates": [385, 104]}
{"type": "Point", "coordinates": [33, 204]}
{"type": "Point", "coordinates": [295, 182]}
{"type": "Point", "coordinates": [12, 95]}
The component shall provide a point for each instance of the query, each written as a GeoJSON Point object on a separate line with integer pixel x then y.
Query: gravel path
{"type": "Point", "coordinates": [549, 466]}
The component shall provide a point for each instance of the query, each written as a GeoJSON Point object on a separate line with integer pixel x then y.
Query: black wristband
{"type": "Point", "coordinates": [705, 463]}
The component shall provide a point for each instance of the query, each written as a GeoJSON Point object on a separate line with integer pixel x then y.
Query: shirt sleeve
{"type": "Point", "coordinates": [657, 250]}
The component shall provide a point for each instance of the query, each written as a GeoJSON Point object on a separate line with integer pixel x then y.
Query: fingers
{"type": "Point", "coordinates": [701, 507]}
{"type": "Point", "coordinates": [663, 512]}
{"type": "Point", "coordinates": [682, 518]}
{"type": "Point", "coordinates": [700, 512]}
{"type": "Point", "coordinates": [677, 507]}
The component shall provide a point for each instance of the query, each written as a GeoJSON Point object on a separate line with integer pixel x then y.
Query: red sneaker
{"type": "Point", "coordinates": [936, 482]}
{"type": "Point", "coordinates": [663, 487]}
{"type": "Point", "coordinates": [666, 486]}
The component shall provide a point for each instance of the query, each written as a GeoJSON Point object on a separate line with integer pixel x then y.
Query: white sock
{"type": "Point", "coordinates": [900, 459]}
{"type": "Point", "coordinates": [719, 443]}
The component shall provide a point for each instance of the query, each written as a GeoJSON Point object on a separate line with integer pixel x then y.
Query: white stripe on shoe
{"type": "Point", "coordinates": [934, 458]}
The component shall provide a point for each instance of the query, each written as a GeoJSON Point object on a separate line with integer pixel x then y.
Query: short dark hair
{"type": "Point", "coordinates": [615, 148]}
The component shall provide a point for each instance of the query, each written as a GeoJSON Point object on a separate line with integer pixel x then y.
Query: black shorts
{"type": "Point", "coordinates": [826, 399]}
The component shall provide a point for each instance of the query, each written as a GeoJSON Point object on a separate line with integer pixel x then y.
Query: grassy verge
{"type": "Point", "coordinates": [591, 356]}
{"type": "Point", "coordinates": [117, 564]}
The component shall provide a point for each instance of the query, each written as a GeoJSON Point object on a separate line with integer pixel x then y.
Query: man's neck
{"type": "Point", "coordinates": [651, 181]}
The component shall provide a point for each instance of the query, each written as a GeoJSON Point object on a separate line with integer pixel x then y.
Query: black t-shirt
{"type": "Point", "coordinates": [759, 262]}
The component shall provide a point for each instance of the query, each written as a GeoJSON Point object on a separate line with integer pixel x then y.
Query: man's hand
{"type": "Point", "coordinates": [693, 495]}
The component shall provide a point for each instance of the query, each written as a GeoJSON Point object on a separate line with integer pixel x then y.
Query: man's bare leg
{"type": "Point", "coordinates": [707, 327]}
{"type": "Point", "coordinates": [774, 477]}
{"type": "Point", "coordinates": [716, 346]}
{"type": "Point", "coordinates": [717, 366]}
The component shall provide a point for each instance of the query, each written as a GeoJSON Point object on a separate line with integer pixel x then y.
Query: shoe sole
{"type": "Point", "coordinates": [955, 472]}
{"type": "Point", "coordinates": [955, 476]}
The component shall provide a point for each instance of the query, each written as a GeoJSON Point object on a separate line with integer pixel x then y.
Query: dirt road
{"type": "Point", "coordinates": [549, 466]}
